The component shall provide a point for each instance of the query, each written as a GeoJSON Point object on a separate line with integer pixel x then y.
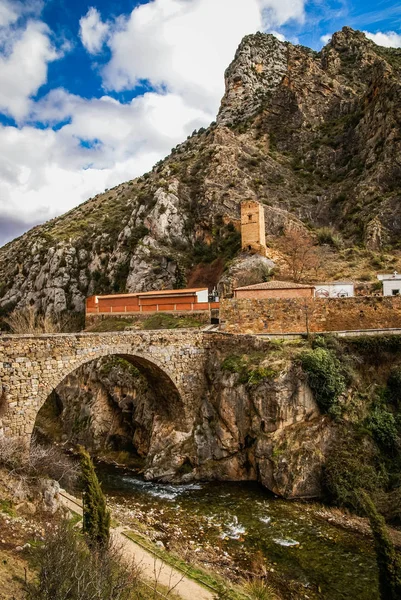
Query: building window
{"type": "Point", "coordinates": [249, 217]}
{"type": "Point", "coordinates": [395, 292]}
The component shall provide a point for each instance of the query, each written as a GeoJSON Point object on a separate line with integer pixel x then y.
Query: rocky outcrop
{"type": "Point", "coordinates": [257, 70]}
{"type": "Point", "coordinates": [313, 136]}
{"type": "Point", "coordinates": [256, 420]}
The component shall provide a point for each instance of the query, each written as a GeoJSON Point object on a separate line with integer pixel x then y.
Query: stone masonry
{"type": "Point", "coordinates": [296, 315]}
{"type": "Point", "coordinates": [32, 366]}
{"type": "Point", "coordinates": [253, 236]}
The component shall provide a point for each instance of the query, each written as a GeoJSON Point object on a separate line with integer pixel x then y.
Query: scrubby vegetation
{"type": "Point", "coordinates": [325, 377]}
{"type": "Point", "coordinates": [249, 368]}
{"type": "Point", "coordinates": [67, 568]}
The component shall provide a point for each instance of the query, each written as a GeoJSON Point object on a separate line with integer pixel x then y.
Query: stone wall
{"type": "Point", "coordinates": [291, 315]}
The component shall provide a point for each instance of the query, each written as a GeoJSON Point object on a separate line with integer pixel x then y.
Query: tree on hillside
{"type": "Point", "coordinates": [96, 517]}
{"type": "Point", "coordinates": [388, 561]}
{"type": "Point", "coordinates": [300, 253]}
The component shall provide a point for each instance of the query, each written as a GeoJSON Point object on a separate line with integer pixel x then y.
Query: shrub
{"type": "Point", "coordinates": [381, 423]}
{"type": "Point", "coordinates": [325, 378]}
{"type": "Point", "coordinates": [247, 368]}
{"type": "Point", "coordinates": [38, 460]}
{"type": "Point", "coordinates": [68, 569]}
{"type": "Point", "coordinates": [375, 345]}
{"type": "Point", "coordinates": [328, 235]}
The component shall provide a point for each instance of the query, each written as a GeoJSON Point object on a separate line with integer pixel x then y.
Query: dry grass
{"type": "Point", "coordinates": [259, 590]}
{"type": "Point", "coordinates": [28, 320]}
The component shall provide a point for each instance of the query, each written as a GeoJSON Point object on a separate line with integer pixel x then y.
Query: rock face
{"type": "Point", "coordinates": [313, 136]}
{"type": "Point", "coordinates": [256, 422]}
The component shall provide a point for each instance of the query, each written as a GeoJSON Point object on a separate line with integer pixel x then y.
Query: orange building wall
{"type": "Point", "coordinates": [134, 304]}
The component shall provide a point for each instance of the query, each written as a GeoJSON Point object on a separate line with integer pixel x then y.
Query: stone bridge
{"type": "Point", "coordinates": [32, 366]}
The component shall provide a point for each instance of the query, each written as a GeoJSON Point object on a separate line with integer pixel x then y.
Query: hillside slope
{"type": "Point", "coordinates": [314, 136]}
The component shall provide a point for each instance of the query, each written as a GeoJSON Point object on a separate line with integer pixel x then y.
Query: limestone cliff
{"type": "Point", "coordinates": [314, 136]}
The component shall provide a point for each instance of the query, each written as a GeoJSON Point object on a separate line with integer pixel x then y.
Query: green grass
{"type": "Point", "coordinates": [155, 321]}
{"type": "Point", "coordinates": [192, 572]}
{"type": "Point", "coordinates": [110, 324]}
{"type": "Point", "coordinates": [168, 321]}
{"type": "Point", "coordinates": [6, 507]}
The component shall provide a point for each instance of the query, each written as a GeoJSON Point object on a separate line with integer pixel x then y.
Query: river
{"type": "Point", "coordinates": [243, 528]}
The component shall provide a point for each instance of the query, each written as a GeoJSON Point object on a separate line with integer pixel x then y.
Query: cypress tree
{"type": "Point", "coordinates": [96, 517]}
{"type": "Point", "coordinates": [388, 561]}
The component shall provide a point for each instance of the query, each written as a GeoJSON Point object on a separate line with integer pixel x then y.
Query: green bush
{"type": "Point", "coordinates": [247, 368]}
{"type": "Point", "coordinates": [374, 345]}
{"type": "Point", "coordinates": [325, 378]}
{"type": "Point", "coordinates": [328, 235]}
{"type": "Point", "coordinates": [382, 425]}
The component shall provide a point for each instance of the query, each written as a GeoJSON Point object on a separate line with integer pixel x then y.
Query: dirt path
{"type": "Point", "coordinates": [152, 568]}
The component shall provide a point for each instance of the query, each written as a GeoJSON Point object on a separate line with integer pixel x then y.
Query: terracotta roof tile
{"type": "Point", "coordinates": [275, 285]}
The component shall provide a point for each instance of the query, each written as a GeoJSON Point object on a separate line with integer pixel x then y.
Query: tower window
{"type": "Point", "coordinates": [249, 217]}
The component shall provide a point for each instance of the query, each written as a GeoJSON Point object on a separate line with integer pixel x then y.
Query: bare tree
{"type": "Point", "coordinates": [300, 253]}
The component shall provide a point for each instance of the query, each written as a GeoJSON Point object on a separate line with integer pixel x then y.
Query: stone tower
{"type": "Point", "coordinates": [253, 228]}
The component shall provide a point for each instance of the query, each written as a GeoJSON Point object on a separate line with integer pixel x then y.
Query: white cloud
{"type": "Point", "coordinates": [92, 31]}
{"type": "Point", "coordinates": [120, 142]}
{"type": "Point", "coordinates": [389, 39]}
{"type": "Point", "coordinates": [8, 13]}
{"type": "Point", "coordinates": [326, 38]}
{"type": "Point", "coordinates": [24, 69]}
{"type": "Point", "coordinates": [277, 12]}
{"type": "Point", "coordinates": [278, 35]}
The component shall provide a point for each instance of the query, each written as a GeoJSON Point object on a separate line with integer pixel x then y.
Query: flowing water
{"type": "Point", "coordinates": [242, 523]}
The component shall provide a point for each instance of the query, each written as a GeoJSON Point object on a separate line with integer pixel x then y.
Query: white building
{"type": "Point", "coordinates": [391, 283]}
{"type": "Point", "coordinates": [335, 289]}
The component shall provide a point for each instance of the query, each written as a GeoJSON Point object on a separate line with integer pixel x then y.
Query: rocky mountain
{"type": "Point", "coordinates": [314, 136]}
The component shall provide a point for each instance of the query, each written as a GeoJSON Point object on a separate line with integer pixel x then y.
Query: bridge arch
{"type": "Point", "coordinates": [171, 401]}
{"type": "Point", "coordinates": [32, 366]}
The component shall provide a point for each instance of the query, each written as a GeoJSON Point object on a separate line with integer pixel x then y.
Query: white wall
{"type": "Point", "coordinates": [203, 295]}
{"type": "Point", "coordinates": [335, 290]}
{"type": "Point", "coordinates": [391, 284]}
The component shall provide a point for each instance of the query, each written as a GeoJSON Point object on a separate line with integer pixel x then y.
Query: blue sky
{"type": "Point", "coordinates": [94, 93]}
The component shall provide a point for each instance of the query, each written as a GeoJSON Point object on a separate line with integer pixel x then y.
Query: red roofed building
{"type": "Point", "coordinates": [275, 289]}
{"type": "Point", "coordinates": [192, 299]}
